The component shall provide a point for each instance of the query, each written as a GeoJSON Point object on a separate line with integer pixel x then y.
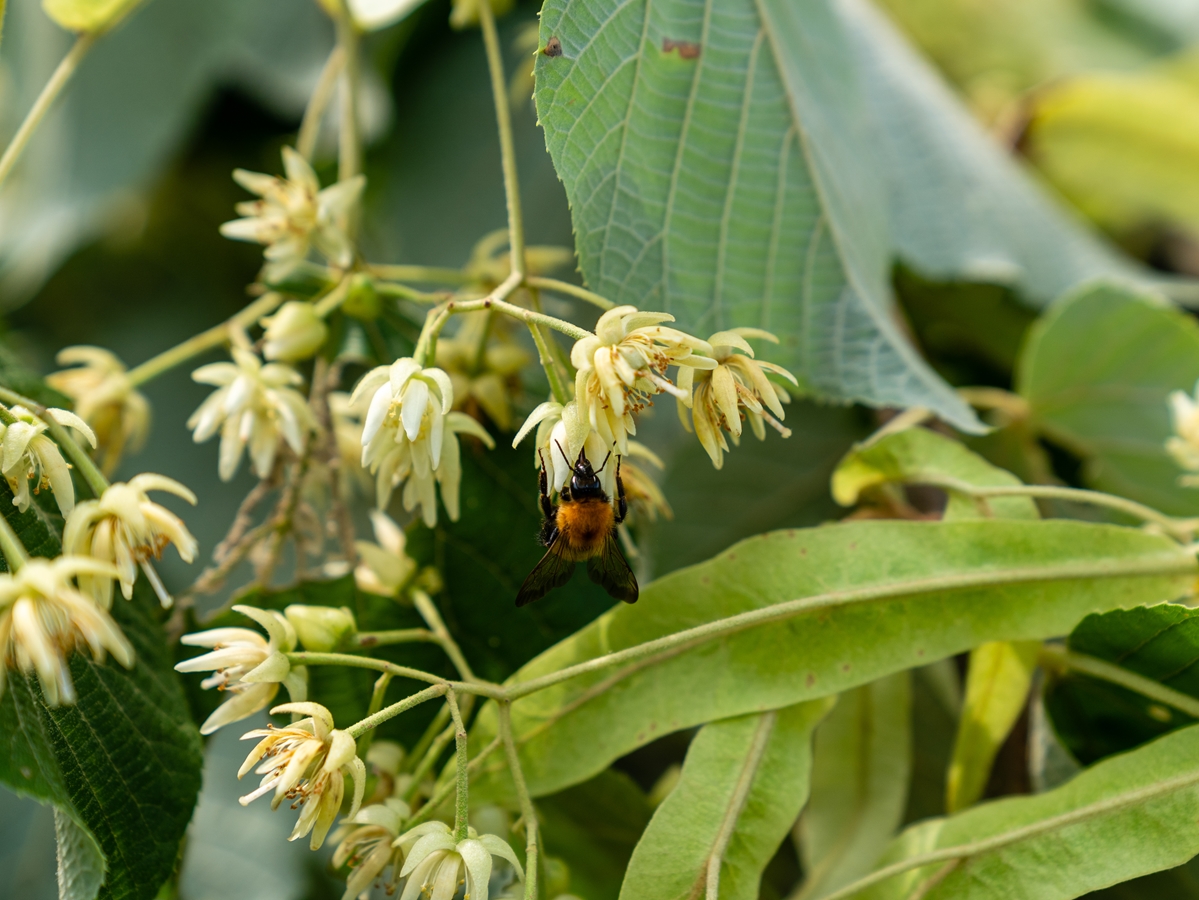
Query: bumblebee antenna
{"type": "Point", "coordinates": [563, 452]}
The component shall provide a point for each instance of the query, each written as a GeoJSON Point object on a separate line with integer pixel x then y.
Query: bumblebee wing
{"type": "Point", "coordinates": [553, 571]}
{"type": "Point", "coordinates": [610, 570]}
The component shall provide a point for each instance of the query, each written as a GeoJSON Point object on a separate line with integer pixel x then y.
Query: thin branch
{"type": "Point", "coordinates": [428, 612]}
{"type": "Point", "coordinates": [41, 106]}
{"type": "Point", "coordinates": [571, 290]}
{"type": "Point", "coordinates": [527, 811]}
{"type": "Point", "coordinates": [461, 772]}
{"type": "Point", "coordinates": [390, 712]}
{"type": "Point", "coordinates": [309, 658]}
{"type": "Point", "coordinates": [318, 103]}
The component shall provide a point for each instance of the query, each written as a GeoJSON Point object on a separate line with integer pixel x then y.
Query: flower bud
{"type": "Point", "coordinates": [362, 302]}
{"type": "Point", "coordinates": [321, 628]}
{"type": "Point", "coordinates": [293, 333]}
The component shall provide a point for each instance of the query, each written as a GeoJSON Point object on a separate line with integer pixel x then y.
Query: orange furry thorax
{"type": "Point", "coordinates": [583, 526]}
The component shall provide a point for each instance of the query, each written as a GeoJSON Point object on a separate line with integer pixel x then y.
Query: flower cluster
{"type": "Point", "coordinates": [255, 406]}
{"type": "Point", "coordinates": [105, 399]}
{"type": "Point", "coordinates": [44, 617]}
{"type": "Point", "coordinates": [293, 214]}
{"type": "Point", "coordinates": [306, 763]}
{"type": "Point", "coordinates": [409, 435]}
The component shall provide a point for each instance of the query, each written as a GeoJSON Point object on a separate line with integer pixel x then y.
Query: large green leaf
{"type": "Point", "coordinates": [122, 764]}
{"type": "Point", "coordinates": [1127, 816]}
{"type": "Point", "coordinates": [1097, 372]}
{"type": "Point", "coordinates": [1096, 718]}
{"type": "Point", "coordinates": [865, 599]}
{"type": "Point", "coordinates": [743, 783]}
{"type": "Point", "coordinates": [713, 157]}
{"type": "Point", "coordinates": [861, 765]}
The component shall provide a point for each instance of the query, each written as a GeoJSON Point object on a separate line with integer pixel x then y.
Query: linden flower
{"type": "Point", "coordinates": [126, 528]}
{"type": "Point", "coordinates": [436, 864]}
{"type": "Point", "coordinates": [409, 435]}
{"type": "Point", "coordinates": [368, 849]}
{"type": "Point", "coordinates": [26, 453]}
{"type": "Point", "coordinates": [737, 388]}
{"type": "Point", "coordinates": [295, 332]}
{"type": "Point", "coordinates": [294, 214]}
{"type": "Point", "coordinates": [1184, 445]}
{"type": "Point", "coordinates": [43, 617]}
{"type": "Point", "coordinates": [255, 405]}
{"type": "Point", "coordinates": [384, 568]}
{"type": "Point", "coordinates": [104, 398]}
{"type": "Point", "coordinates": [644, 496]}
{"type": "Point", "coordinates": [347, 432]}
{"type": "Point", "coordinates": [624, 363]}
{"type": "Point", "coordinates": [562, 431]}
{"type": "Point", "coordinates": [307, 763]}
{"type": "Point", "coordinates": [246, 665]}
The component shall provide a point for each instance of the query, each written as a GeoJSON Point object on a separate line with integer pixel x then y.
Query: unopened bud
{"type": "Point", "coordinates": [362, 302]}
{"type": "Point", "coordinates": [294, 333]}
{"type": "Point", "coordinates": [321, 628]}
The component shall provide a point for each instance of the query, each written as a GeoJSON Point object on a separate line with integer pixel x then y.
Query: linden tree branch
{"type": "Point", "coordinates": [571, 290]}
{"type": "Point", "coordinates": [390, 712]}
{"type": "Point", "coordinates": [318, 104]}
{"type": "Point", "coordinates": [527, 811]}
{"type": "Point", "coordinates": [461, 772]}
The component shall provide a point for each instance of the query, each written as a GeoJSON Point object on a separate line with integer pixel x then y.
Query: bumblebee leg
{"type": "Point", "coordinates": [547, 507]}
{"type": "Point", "coordinates": [622, 505]}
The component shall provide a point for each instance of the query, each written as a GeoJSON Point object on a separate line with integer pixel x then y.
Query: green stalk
{"type": "Point", "coordinates": [318, 103]}
{"type": "Point", "coordinates": [571, 290]}
{"type": "Point", "coordinates": [41, 106]}
{"type": "Point", "coordinates": [390, 712]}
{"type": "Point", "coordinates": [462, 772]}
{"type": "Point", "coordinates": [14, 551]}
{"type": "Point", "coordinates": [527, 811]}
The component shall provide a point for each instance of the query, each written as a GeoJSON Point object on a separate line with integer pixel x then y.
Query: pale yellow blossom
{"type": "Point", "coordinates": [562, 431]}
{"type": "Point", "coordinates": [99, 385]}
{"type": "Point", "coordinates": [255, 405]}
{"type": "Point", "coordinates": [307, 763]}
{"type": "Point", "coordinates": [365, 844]}
{"type": "Point", "coordinates": [126, 528]}
{"type": "Point", "coordinates": [246, 665]}
{"type": "Point", "coordinates": [385, 568]}
{"type": "Point", "coordinates": [436, 864]}
{"type": "Point", "coordinates": [294, 333]}
{"type": "Point", "coordinates": [44, 617]}
{"type": "Point", "coordinates": [27, 454]}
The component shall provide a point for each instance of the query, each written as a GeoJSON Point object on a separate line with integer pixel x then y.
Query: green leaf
{"type": "Point", "coordinates": [1097, 372]}
{"type": "Point", "coordinates": [81, 866]}
{"type": "Point", "coordinates": [742, 785]}
{"type": "Point", "coordinates": [961, 208]}
{"type": "Point", "coordinates": [997, 685]}
{"type": "Point", "coordinates": [593, 828]}
{"type": "Point", "coordinates": [1096, 718]}
{"type": "Point", "coordinates": [864, 599]}
{"type": "Point", "coordinates": [92, 16]}
{"type": "Point", "coordinates": [713, 158]}
{"type": "Point", "coordinates": [861, 765]}
{"type": "Point", "coordinates": [916, 456]}
{"type": "Point", "coordinates": [123, 763]}
{"type": "Point", "coordinates": [1124, 817]}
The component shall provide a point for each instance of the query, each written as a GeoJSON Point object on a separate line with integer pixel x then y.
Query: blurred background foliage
{"type": "Point", "coordinates": [108, 235]}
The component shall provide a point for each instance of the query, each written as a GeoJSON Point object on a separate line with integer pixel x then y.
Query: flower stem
{"type": "Point", "coordinates": [503, 116]}
{"type": "Point", "coordinates": [462, 771]}
{"type": "Point", "coordinates": [335, 298]}
{"type": "Point", "coordinates": [376, 704]}
{"type": "Point", "coordinates": [527, 811]}
{"type": "Point", "coordinates": [87, 468]}
{"type": "Point", "coordinates": [58, 80]}
{"type": "Point", "coordinates": [1055, 656]}
{"type": "Point", "coordinates": [204, 341]}
{"type": "Point", "coordinates": [367, 639]}
{"type": "Point", "coordinates": [309, 658]}
{"type": "Point", "coordinates": [424, 605]}
{"type": "Point", "coordinates": [349, 151]}
{"type": "Point", "coordinates": [390, 712]}
{"type": "Point", "coordinates": [442, 794]}
{"type": "Point", "coordinates": [571, 290]}
{"type": "Point", "coordinates": [15, 554]}
{"type": "Point", "coordinates": [550, 365]}
{"type": "Point", "coordinates": [318, 103]}
{"type": "Point", "coordinates": [429, 758]}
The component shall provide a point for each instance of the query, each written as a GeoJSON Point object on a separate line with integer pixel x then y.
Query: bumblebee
{"type": "Point", "coordinates": [582, 526]}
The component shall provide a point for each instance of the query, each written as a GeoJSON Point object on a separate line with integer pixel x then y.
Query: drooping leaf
{"type": "Point", "coordinates": [1097, 373]}
{"type": "Point", "coordinates": [918, 456]}
{"type": "Point", "coordinates": [868, 599]}
{"type": "Point", "coordinates": [742, 785]}
{"type": "Point", "coordinates": [123, 763]}
{"type": "Point", "coordinates": [1096, 718]}
{"type": "Point", "coordinates": [81, 865]}
{"type": "Point", "coordinates": [1124, 817]}
{"type": "Point", "coordinates": [713, 157]}
{"type": "Point", "coordinates": [960, 207]}
{"type": "Point", "coordinates": [861, 765]}
{"type": "Point", "coordinates": [997, 685]}
{"type": "Point", "coordinates": [593, 828]}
